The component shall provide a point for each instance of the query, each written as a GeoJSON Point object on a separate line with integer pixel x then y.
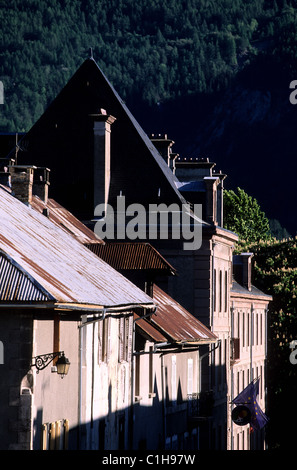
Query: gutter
{"type": "Point", "coordinates": [74, 307]}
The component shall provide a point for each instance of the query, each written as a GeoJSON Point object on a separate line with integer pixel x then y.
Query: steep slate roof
{"type": "Point", "coordinates": [240, 291]}
{"type": "Point", "coordinates": [62, 139]}
{"type": "Point", "coordinates": [53, 262]}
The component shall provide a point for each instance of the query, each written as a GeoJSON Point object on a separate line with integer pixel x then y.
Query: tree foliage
{"type": "Point", "coordinates": [151, 51]}
{"type": "Point", "coordinates": [243, 215]}
{"type": "Point", "coordinates": [275, 273]}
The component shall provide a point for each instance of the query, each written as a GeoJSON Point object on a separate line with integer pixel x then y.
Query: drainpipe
{"type": "Point", "coordinates": [251, 357]}
{"type": "Point", "coordinates": [79, 388]}
{"type": "Point", "coordinates": [202, 357]}
{"type": "Point", "coordinates": [131, 424]}
{"type": "Point", "coordinates": [210, 351]}
{"type": "Point", "coordinates": [232, 372]}
{"type": "Point", "coordinates": [265, 362]}
{"type": "Point", "coordinates": [81, 326]}
{"type": "Point", "coordinates": [252, 342]}
{"type": "Point", "coordinates": [163, 401]}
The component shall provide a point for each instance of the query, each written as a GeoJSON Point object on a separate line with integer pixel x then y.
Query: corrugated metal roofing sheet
{"type": "Point", "coordinates": [66, 270]}
{"type": "Point", "coordinates": [17, 286]}
{"type": "Point", "coordinates": [176, 322]}
{"type": "Point", "coordinates": [122, 256]}
{"type": "Point", "coordinates": [62, 217]}
{"type": "Point", "coordinates": [149, 330]}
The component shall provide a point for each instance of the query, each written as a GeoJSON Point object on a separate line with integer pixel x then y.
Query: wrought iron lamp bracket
{"type": "Point", "coordinates": [43, 360]}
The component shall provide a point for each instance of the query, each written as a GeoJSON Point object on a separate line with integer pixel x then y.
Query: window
{"type": "Point", "coordinates": [248, 329]}
{"type": "Point", "coordinates": [215, 290]}
{"type": "Point", "coordinates": [137, 378]}
{"type": "Point", "coordinates": [190, 377]}
{"type": "Point", "coordinates": [151, 372]}
{"type": "Point", "coordinates": [226, 291]}
{"type": "Point", "coordinates": [173, 380]}
{"type": "Point", "coordinates": [235, 349]}
{"type": "Point", "coordinates": [55, 435]}
{"type": "Point", "coordinates": [1, 353]}
{"type": "Point", "coordinates": [125, 338]}
{"type": "Point", "coordinates": [104, 340]}
{"type": "Point", "coordinates": [220, 293]}
{"type": "Point", "coordinates": [243, 329]}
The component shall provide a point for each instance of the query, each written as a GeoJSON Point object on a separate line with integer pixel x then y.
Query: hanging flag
{"type": "Point", "coordinates": [248, 398]}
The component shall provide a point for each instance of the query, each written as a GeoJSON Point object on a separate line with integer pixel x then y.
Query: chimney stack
{"type": "Point", "coordinates": [102, 131]}
{"type": "Point", "coordinates": [242, 269]}
{"type": "Point", "coordinates": [200, 183]}
{"type": "Point", "coordinates": [220, 197]}
{"type": "Point", "coordinates": [164, 147]}
{"type": "Point", "coordinates": [22, 182]}
{"type": "Point", "coordinates": [211, 191]}
{"type": "Point", "coordinates": [41, 183]}
{"type": "Point", "coordinates": [193, 169]}
{"type": "Point", "coordinates": [5, 163]}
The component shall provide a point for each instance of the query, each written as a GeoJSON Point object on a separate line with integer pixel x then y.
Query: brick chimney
{"type": "Point", "coordinates": [22, 182]}
{"type": "Point", "coordinates": [41, 183]}
{"type": "Point", "coordinates": [242, 269]}
{"type": "Point", "coordinates": [102, 131]}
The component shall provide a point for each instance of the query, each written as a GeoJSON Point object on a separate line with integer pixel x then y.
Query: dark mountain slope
{"type": "Point", "coordinates": [249, 130]}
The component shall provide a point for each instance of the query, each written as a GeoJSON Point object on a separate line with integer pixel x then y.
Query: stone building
{"type": "Point", "coordinates": [100, 156]}
{"type": "Point", "coordinates": [55, 295]}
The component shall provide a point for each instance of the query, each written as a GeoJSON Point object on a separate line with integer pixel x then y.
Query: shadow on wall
{"type": "Point", "coordinates": [166, 424]}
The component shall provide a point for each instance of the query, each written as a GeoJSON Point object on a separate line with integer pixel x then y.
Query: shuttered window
{"type": "Point", "coordinates": [104, 340]}
{"type": "Point", "coordinates": [55, 435]}
{"type": "Point", "coordinates": [125, 338]}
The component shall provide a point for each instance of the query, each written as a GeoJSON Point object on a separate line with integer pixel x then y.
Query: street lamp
{"type": "Point", "coordinates": [43, 360]}
{"type": "Point", "coordinates": [62, 365]}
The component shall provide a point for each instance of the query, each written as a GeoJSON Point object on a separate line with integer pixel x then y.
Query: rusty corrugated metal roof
{"type": "Point", "coordinates": [177, 323]}
{"type": "Point", "coordinates": [132, 256]}
{"type": "Point", "coordinates": [65, 269]}
{"type": "Point", "coordinates": [62, 217]}
{"type": "Point", "coordinates": [149, 330]}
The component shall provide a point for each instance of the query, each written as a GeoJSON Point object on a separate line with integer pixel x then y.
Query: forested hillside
{"type": "Point", "coordinates": [153, 51]}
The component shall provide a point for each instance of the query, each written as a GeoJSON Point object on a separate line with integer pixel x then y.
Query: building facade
{"type": "Point", "coordinates": [117, 161]}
